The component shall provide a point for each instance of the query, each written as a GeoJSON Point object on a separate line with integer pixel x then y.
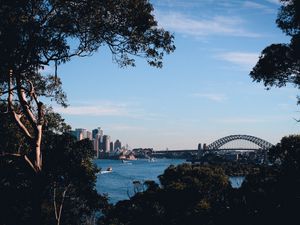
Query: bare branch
{"type": "Point", "coordinates": [58, 213]}
{"type": "Point", "coordinates": [16, 116]}
{"type": "Point", "coordinates": [8, 91]}
{"type": "Point", "coordinates": [18, 155]}
{"type": "Point", "coordinates": [25, 105]}
{"type": "Point", "coordinates": [30, 163]}
{"type": "Point", "coordinates": [54, 202]}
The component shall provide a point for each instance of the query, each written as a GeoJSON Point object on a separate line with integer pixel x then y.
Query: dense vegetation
{"type": "Point", "coordinates": [196, 194]}
{"type": "Point", "coordinates": [51, 180]}
{"type": "Point", "coordinates": [35, 34]}
{"type": "Point", "coordinates": [279, 64]}
{"type": "Point", "coordinates": [67, 184]}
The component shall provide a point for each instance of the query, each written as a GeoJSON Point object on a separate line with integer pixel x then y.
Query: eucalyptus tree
{"type": "Point", "coordinates": [279, 64]}
{"type": "Point", "coordinates": [39, 33]}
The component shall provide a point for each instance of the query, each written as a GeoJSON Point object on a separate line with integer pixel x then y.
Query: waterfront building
{"type": "Point", "coordinates": [97, 131]}
{"type": "Point", "coordinates": [89, 135]}
{"type": "Point", "coordinates": [200, 150]}
{"type": "Point", "coordinates": [80, 133]}
{"type": "Point", "coordinates": [117, 145]}
{"type": "Point", "coordinates": [111, 147]}
{"type": "Point", "coordinates": [106, 143]}
{"type": "Point", "coordinates": [96, 147]}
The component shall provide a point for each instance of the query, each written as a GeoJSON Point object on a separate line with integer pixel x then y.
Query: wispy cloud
{"type": "Point", "coordinates": [108, 108]}
{"type": "Point", "coordinates": [218, 25]}
{"type": "Point", "coordinates": [177, 3]}
{"type": "Point", "coordinates": [255, 5]}
{"type": "Point", "coordinates": [277, 2]}
{"type": "Point", "coordinates": [211, 96]}
{"type": "Point", "coordinates": [101, 110]}
{"type": "Point", "coordinates": [245, 60]}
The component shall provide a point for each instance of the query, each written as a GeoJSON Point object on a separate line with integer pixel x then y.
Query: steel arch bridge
{"type": "Point", "coordinates": [216, 145]}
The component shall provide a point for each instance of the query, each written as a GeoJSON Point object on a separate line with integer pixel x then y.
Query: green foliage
{"type": "Point", "coordinates": [36, 33]}
{"type": "Point", "coordinates": [287, 152]}
{"type": "Point", "coordinates": [279, 64]}
{"type": "Point", "coordinates": [188, 194]}
{"type": "Point", "coordinates": [195, 194]}
{"type": "Point", "coordinates": [67, 166]}
{"type": "Point", "coordinates": [11, 139]}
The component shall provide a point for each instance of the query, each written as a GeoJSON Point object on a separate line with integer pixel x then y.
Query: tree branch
{"type": "Point", "coordinates": [3, 154]}
{"type": "Point", "coordinates": [58, 213]}
{"type": "Point", "coordinates": [24, 104]}
{"type": "Point", "coordinates": [16, 116]}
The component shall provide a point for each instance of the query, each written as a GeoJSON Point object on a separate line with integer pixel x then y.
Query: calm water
{"type": "Point", "coordinates": [236, 182]}
{"type": "Point", "coordinates": [118, 183]}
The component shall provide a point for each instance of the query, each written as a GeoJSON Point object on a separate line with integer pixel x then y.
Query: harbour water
{"type": "Point", "coordinates": [118, 183]}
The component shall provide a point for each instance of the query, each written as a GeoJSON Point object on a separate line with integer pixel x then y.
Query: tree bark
{"type": "Point", "coordinates": [34, 135]}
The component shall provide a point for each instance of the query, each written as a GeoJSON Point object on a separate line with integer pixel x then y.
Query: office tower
{"type": "Point", "coordinates": [97, 131]}
{"type": "Point", "coordinates": [199, 147]}
{"type": "Point", "coordinates": [200, 150]}
{"type": "Point", "coordinates": [80, 133]}
{"type": "Point", "coordinates": [106, 143]}
{"type": "Point", "coordinates": [111, 147]}
{"type": "Point", "coordinates": [117, 145]}
{"type": "Point", "coordinates": [89, 135]}
{"type": "Point", "coordinates": [96, 147]}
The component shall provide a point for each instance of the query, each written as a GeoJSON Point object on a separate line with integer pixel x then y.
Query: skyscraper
{"type": "Point", "coordinates": [106, 143]}
{"type": "Point", "coordinates": [117, 145]}
{"type": "Point", "coordinates": [80, 133]}
{"type": "Point", "coordinates": [111, 147]}
{"type": "Point", "coordinates": [89, 135]}
{"type": "Point", "coordinates": [97, 131]}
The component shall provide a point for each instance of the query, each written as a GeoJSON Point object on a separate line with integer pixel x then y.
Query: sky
{"type": "Point", "coordinates": [202, 93]}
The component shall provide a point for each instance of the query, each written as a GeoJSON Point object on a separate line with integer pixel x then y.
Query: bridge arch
{"type": "Point", "coordinates": [222, 141]}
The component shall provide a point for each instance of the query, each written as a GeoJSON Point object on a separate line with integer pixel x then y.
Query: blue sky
{"type": "Point", "coordinates": [202, 93]}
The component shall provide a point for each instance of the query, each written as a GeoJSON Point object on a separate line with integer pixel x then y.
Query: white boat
{"type": "Point", "coordinates": [108, 170]}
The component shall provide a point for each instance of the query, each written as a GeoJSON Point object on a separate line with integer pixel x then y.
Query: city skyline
{"type": "Point", "coordinates": [202, 93]}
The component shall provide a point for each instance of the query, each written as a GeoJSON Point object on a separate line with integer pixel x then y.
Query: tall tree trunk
{"type": "Point", "coordinates": [26, 99]}
{"type": "Point", "coordinates": [37, 199]}
{"type": "Point", "coordinates": [38, 152]}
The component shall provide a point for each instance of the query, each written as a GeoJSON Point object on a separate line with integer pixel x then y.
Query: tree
{"type": "Point", "coordinates": [188, 194]}
{"type": "Point", "coordinates": [279, 64]}
{"type": "Point", "coordinates": [67, 185]}
{"type": "Point", "coordinates": [39, 33]}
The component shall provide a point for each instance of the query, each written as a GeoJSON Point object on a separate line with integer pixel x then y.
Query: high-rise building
{"type": "Point", "coordinates": [117, 145]}
{"type": "Point", "coordinates": [89, 135]}
{"type": "Point", "coordinates": [111, 147]}
{"type": "Point", "coordinates": [96, 147]}
{"type": "Point", "coordinates": [80, 133]}
{"type": "Point", "coordinates": [106, 143]}
{"type": "Point", "coordinates": [97, 131]}
{"type": "Point", "coordinates": [199, 147]}
{"type": "Point", "coordinates": [200, 150]}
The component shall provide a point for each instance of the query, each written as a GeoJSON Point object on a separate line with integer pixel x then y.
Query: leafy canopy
{"type": "Point", "coordinates": [37, 33]}
{"type": "Point", "coordinates": [279, 64]}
